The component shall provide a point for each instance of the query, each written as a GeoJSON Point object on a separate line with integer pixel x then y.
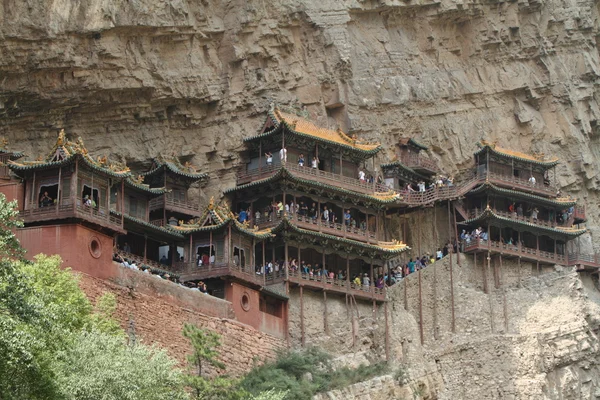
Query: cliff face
{"type": "Point", "coordinates": [139, 77]}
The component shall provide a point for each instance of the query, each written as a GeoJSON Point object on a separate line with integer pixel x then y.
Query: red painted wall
{"type": "Point", "coordinates": [13, 190]}
{"type": "Point", "coordinates": [73, 243]}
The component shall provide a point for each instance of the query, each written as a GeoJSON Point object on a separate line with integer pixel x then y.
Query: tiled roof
{"type": "Point", "coordinates": [137, 183]}
{"type": "Point", "coordinates": [399, 164]}
{"type": "Point", "coordinates": [382, 198]}
{"type": "Point", "coordinates": [517, 155]}
{"type": "Point", "coordinates": [149, 225]}
{"type": "Point", "coordinates": [413, 142]}
{"type": "Point", "coordinates": [488, 213]}
{"type": "Point", "coordinates": [172, 164]}
{"type": "Point", "coordinates": [64, 152]}
{"type": "Point", "coordinates": [558, 202]}
{"type": "Point", "coordinates": [304, 127]}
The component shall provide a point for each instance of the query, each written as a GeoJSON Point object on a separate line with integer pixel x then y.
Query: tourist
{"type": "Point", "coordinates": [257, 217]}
{"type": "Point", "coordinates": [361, 175]}
{"type": "Point", "coordinates": [357, 281]}
{"type": "Point", "coordinates": [520, 211]}
{"type": "Point", "coordinates": [411, 266]}
{"type": "Point", "coordinates": [325, 215]}
{"type": "Point", "coordinates": [532, 180]}
{"type": "Point", "coordinates": [409, 188]}
{"type": "Point", "coordinates": [313, 212]}
{"type": "Point", "coordinates": [279, 209]}
{"type": "Point", "coordinates": [439, 255]}
{"type": "Point", "coordinates": [205, 259]}
{"type": "Point", "coordinates": [534, 214]}
{"type": "Point", "coordinates": [421, 186]}
{"type": "Point", "coordinates": [315, 163]}
{"type": "Point", "coordinates": [366, 281]}
{"type": "Point", "coordinates": [512, 210]}
{"type": "Point", "coordinates": [269, 157]}
{"type": "Point", "coordinates": [163, 260]}
{"type": "Point", "coordinates": [301, 160]}
{"type": "Point", "coordinates": [126, 248]}
{"type": "Point", "coordinates": [87, 201]}
{"type": "Point", "coordinates": [283, 155]}
{"type": "Point", "coordinates": [243, 216]}
{"type": "Point", "coordinates": [45, 200]}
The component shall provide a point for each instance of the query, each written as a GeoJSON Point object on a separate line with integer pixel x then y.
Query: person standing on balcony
{"type": "Point", "coordinates": [45, 200]}
{"type": "Point", "coordinates": [532, 180]}
{"type": "Point", "coordinates": [361, 175]}
{"type": "Point", "coordinates": [280, 209]}
{"type": "Point", "coordinates": [520, 211]}
{"type": "Point", "coordinates": [126, 248]}
{"type": "Point", "coordinates": [301, 160]}
{"type": "Point", "coordinates": [325, 214]}
{"type": "Point", "coordinates": [315, 163]}
{"type": "Point", "coordinates": [243, 217]}
{"type": "Point", "coordinates": [534, 214]}
{"type": "Point", "coordinates": [347, 218]}
{"type": "Point", "coordinates": [512, 210]}
{"type": "Point", "coordinates": [269, 157]}
{"type": "Point", "coordinates": [283, 155]}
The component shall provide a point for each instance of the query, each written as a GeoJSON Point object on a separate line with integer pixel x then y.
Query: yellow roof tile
{"type": "Point", "coordinates": [513, 153]}
{"type": "Point", "coordinates": [306, 127]}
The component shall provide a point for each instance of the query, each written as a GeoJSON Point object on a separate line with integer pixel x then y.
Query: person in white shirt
{"type": "Point", "coordinates": [269, 158]}
{"type": "Point", "coordinates": [314, 163]}
{"type": "Point", "coordinates": [283, 155]}
{"type": "Point", "coordinates": [361, 175]}
{"type": "Point", "coordinates": [532, 180]}
{"type": "Point", "coordinates": [212, 259]}
{"type": "Point", "coordinates": [325, 214]}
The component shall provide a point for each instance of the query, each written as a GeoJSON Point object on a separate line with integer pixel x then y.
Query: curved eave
{"type": "Point", "coordinates": [417, 144]}
{"type": "Point", "coordinates": [508, 192]}
{"type": "Point", "coordinates": [14, 155]}
{"type": "Point", "coordinates": [38, 166]}
{"type": "Point", "coordinates": [389, 250]}
{"type": "Point", "coordinates": [102, 170]}
{"type": "Point", "coordinates": [246, 230]}
{"type": "Point", "coordinates": [145, 188]}
{"type": "Point", "coordinates": [489, 214]}
{"type": "Point", "coordinates": [149, 225]}
{"type": "Point", "coordinates": [511, 156]}
{"type": "Point", "coordinates": [171, 168]}
{"type": "Point", "coordinates": [404, 167]}
{"type": "Point", "coordinates": [287, 127]}
{"type": "Point", "coordinates": [284, 173]}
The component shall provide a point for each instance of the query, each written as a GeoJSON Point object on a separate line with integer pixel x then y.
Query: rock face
{"type": "Point", "coordinates": [141, 77]}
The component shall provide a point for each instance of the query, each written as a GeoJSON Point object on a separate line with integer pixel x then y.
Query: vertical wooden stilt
{"type": "Point", "coordinates": [452, 291]}
{"type": "Point", "coordinates": [489, 260]}
{"type": "Point", "coordinates": [325, 322]}
{"type": "Point", "coordinates": [406, 293]}
{"type": "Point", "coordinates": [519, 270]}
{"type": "Point", "coordinates": [387, 333]}
{"type": "Point", "coordinates": [420, 307]}
{"type": "Point", "coordinates": [301, 316]}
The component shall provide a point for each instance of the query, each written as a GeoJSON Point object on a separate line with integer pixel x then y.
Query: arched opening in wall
{"type": "Point", "coordinates": [48, 194]}
{"type": "Point", "coordinates": [245, 301]}
{"type": "Point", "coordinates": [95, 247]}
{"type": "Point", "coordinates": [166, 255]}
{"type": "Point", "coordinates": [239, 257]}
{"type": "Point", "coordinates": [205, 255]}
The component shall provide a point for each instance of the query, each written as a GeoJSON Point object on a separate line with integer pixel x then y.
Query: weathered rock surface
{"type": "Point", "coordinates": [139, 77]}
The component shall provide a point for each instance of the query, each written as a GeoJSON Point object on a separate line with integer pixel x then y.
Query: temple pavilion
{"type": "Point", "coordinates": [512, 196]}
{"type": "Point", "coordinates": [309, 185]}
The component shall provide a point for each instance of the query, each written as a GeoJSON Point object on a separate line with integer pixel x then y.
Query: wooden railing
{"type": "Point", "coordinates": [315, 174]}
{"type": "Point", "coordinates": [170, 203]}
{"type": "Point", "coordinates": [550, 224]}
{"type": "Point", "coordinates": [158, 222]}
{"type": "Point", "coordinates": [522, 184]}
{"type": "Point", "coordinates": [579, 213]}
{"type": "Point", "coordinates": [317, 224]}
{"type": "Point", "coordinates": [418, 162]}
{"type": "Point", "coordinates": [532, 254]}
{"type": "Point", "coordinates": [189, 271]}
{"type": "Point", "coordinates": [336, 285]}
{"type": "Point", "coordinates": [70, 208]}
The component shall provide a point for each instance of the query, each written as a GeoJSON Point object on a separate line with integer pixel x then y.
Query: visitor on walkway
{"type": "Point", "coordinates": [283, 155]}
{"type": "Point", "coordinates": [301, 160]}
{"type": "Point", "coordinates": [269, 157]}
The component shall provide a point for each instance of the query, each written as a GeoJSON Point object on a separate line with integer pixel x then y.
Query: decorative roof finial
{"type": "Point", "coordinates": [61, 140]}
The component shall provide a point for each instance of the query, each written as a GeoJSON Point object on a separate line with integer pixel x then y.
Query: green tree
{"type": "Point", "coordinates": [204, 351]}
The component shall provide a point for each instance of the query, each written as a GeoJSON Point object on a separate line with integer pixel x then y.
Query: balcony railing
{"type": "Point", "coordinates": [191, 271]}
{"type": "Point", "coordinates": [313, 174]}
{"type": "Point", "coordinates": [169, 202]}
{"type": "Point", "coordinates": [579, 213]}
{"type": "Point", "coordinates": [572, 259]}
{"type": "Point", "coordinates": [540, 222]}
{"type": "Point", "coordinates": [337, 285]}
{"type": "Point", "coordinates": [317, 224]}
{"type": "Point", "coordinates": [522, 184]}
{"type": "Point", "coordinates": [417, 162]}
{"type": "Point", "coordinates": [70, 208]}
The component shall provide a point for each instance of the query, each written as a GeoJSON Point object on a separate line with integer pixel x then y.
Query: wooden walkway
{"type": "Point", "coordinates": [338, 286]}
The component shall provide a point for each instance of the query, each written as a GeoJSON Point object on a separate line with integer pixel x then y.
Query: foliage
{"type": "Point", "coordinates": [204, 346]}
{"type": "Point", "coordinates": [103, 317]}
{"type": "Point", "coordinates": [99, 366]}
{"type": "Point", "coordinates": [303, 374]}
{"type": "Point", "coordinates": [269, 395]}
{"type": "Point", "coordinates": [9, 220]}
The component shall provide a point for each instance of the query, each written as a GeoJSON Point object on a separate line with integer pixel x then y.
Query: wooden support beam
{"type": "Point", "coordinates": [420, 307]}
{"type": "Point", "coordinates": [302, 316]}
{"type": "Point", "coordinates": [453, 324]}
{"type": "Point", "coordinates": [325, 321]}
{"type": "Point", "coordinates": [387, 333]}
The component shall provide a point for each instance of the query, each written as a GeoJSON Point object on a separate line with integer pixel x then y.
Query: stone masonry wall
{"type": "Point", "coordinates": [158, 318]}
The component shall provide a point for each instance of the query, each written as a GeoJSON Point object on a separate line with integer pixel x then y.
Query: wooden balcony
{"type": "Point", "coordinates": [519, 184]}
{"type": "Point", "coordinates": [513, 216]}
{"type": "Point", "coordinates": [420, 164]}
{"type": "Point", "coordinates": [168, 202]}
{"type": "Point", "coordinates": [191, 271]}
{"type": "Point", "coordinates": [336, 286]}
{"type": "Point", "coordinates": [314, 174]}
{"type": "Point", "coordinates": [71, 208]}
{"type": "Point", "coordinates": [579, 214]}
{"type": "Point", "coordinates": [318, 225]}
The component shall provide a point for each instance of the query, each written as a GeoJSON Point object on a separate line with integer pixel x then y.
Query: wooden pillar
{"type": "Point", "coordinates": [33, 191]}
{"type": "Point", "coordinates": [325, 322]}
{"type": "Point", "coordinates": [146, 246]}
{"type": "Point", "coordinates": [372, 285]}
{"type": "Point", "coordinates": [122, 196]}
{"type": "Point", "coordinates": [264, 264]}
{"type": "Point", "coordinates": [489, 259]}
{"type": "Point", "coordinates": [419, 233]}
{"type": "Point", "coordinates": [301, 315]}
{"type": "Point", "coordinates": [341, 164]}
{"type": "Point", "coordinates": [347, 273]}
{"type": "Point", "coordinates": [452, 290]}
{"type": "Point", "coordinates": [387, 332]}
{"type": "Point", "coordinates": [253, 255]}
{"type": "Point", "coordinates": [260, 153]}
{"type": "Point", "coordinates": [210, 246]}
{"type": "Point", "coordinates": [519, 270]}
{"type": "Point", "coordinates": [59, 189]}
{"type": "Point", "coordinates": [420, 307]}
{"type": "Point", "coordinates": [285, 262]}
{"type": "Point", "coordinates": [485, 277]}
{"type": "Point", "coordinates": [229, 246]}
{"type": "Point", "coordinates": [92, 195]}
{"type": "Point", "coordinates": [537, 252]}
{"type": "Point", "coordinates": [456, 237]}
{"type": "Point", "coordinates": [555, 258]}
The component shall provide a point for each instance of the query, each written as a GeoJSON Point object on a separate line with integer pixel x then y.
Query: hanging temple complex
{"type": "Point", "coordinates": [92, 212]}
